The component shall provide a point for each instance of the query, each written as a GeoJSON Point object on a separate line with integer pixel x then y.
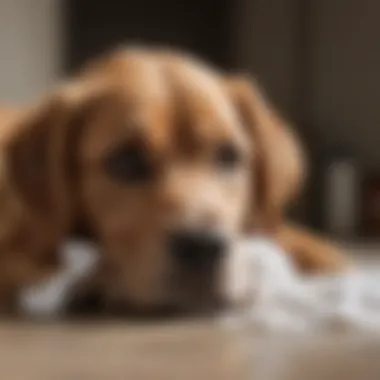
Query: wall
{"type": "Point", "coordinates": [265, 46]}
{"type": "Point", "coordinates": [346, 74]}
{"type": "Point", "coordinates": [30, 48]}
{"type": "Point", "coordinates": [343, 67]}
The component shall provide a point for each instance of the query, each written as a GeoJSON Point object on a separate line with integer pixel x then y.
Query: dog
{"type": "Point", "coordinates": [165, 162]}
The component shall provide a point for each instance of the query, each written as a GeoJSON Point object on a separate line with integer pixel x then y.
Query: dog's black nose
{"type": "Point", "coordinates": [196, 249]}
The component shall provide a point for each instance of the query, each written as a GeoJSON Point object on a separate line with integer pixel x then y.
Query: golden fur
{"type": "Point", "coordinates": [179, 111]}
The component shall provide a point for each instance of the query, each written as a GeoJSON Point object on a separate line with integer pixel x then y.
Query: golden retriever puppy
{"type": "Point", "coordinates": [166, 162]}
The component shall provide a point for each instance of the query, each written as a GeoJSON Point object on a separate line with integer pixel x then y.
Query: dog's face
{"type": "Point", "coordinates": [171, 160]}
{"type": "Point", "coordinates": [165, 180]}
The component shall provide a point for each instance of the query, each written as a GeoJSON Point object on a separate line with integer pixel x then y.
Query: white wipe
{"type": "Point", "coordinates": [281, 299]}
{"type": "Point", "coordinates": [49, 297]}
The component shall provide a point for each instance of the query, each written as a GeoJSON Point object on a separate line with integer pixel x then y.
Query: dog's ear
{"type": "Point", "coordinates": [277, 163]}
{"type": "Point", "coordinates": [39, 150]}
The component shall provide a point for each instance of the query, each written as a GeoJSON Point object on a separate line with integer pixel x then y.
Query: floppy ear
{"type": "Point", "coordinates": [278, 163]}
{"type": "Point", "coordinates": [39, 150]}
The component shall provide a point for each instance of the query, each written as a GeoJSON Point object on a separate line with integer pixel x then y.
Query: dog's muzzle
{"type": "Point", "coordinates": [196, 251]}
{"type": "Point", "coordinates": [197, 258]}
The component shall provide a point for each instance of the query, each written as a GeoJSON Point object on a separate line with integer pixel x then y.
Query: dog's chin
{"type": "Point", "coordinates": [164, 311]}
{"type": "Point", "coordinates": [198, 301]}
{"type": "Point", "coordinates": [181, 296]}
{"type": "Point", "coordinates": [179, 305]}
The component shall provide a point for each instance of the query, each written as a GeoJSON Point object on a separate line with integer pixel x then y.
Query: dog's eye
{"type": "Point", "coordinates": [130, 164]}
{"type": "Point", "coordinates": [227, 156]}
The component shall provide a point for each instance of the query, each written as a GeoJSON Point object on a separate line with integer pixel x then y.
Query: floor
{"type": "Point", "coordinates": [120, 351]}
{"type": "Point", "coordinates": [182, 351]}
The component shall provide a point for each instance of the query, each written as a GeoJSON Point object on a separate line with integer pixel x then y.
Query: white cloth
{"type": "Point", "coordinates": [282, 300]}
{"type": "Point", "coordinates": [49, 297]}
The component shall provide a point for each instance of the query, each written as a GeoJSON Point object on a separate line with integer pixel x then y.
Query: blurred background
{"type": "Point", "coordinates": [318, 60]}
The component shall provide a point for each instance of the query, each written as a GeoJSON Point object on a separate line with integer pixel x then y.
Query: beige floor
{"type": "Point", "coordinates": [182, 351]}
{"type": "Point", "coordinates": [121, 351]}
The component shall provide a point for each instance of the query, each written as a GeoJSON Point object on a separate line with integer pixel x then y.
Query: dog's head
{"type": "Point", "coordinates": [166, 161]}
